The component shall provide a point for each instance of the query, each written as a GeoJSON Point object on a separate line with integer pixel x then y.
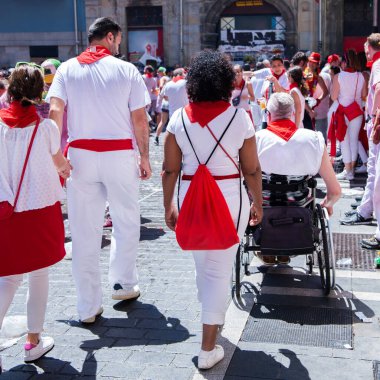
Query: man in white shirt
{"type": "Point", "coordinates": [175, 91]}
{"type": "Point", "coordinates": [108, 128]}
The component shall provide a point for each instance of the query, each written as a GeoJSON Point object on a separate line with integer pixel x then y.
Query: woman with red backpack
{"type": "Point", "coordinates": [215, 145]}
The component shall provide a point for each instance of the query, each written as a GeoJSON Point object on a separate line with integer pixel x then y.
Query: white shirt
{"type": "Point", "coordinates": [301, 155]}
{"type": "Point", "coordinates": [374, 79]}
{"type": "Point", "coordinates": [40, 187]}
{"type": "Point", "coordinates": [177, 95]}
{"type": "Point", "coordinates": [100, 97]}
{"type": "Point", "coordinates": [302, 101]}
{"type": "Point", "coordinates": [151, 85]}
{"type": "Point", "coordinates": [350, 87]}
{"type": "Point", "coordinates": [244, 97]}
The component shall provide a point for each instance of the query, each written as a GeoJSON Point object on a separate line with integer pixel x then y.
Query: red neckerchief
{"type": "Point", "coordinates": [375, 58]}
{"type": "Point", "coordinates": [277, 76]}
{"type": "Point", "coordinates": [293, 85]}
{"type": "Point", "coordinates": [203, 112]}
{"type": "Point", "coordinates": [93, 54]}
{"type": "Point", "coordinates": [17, 116]}
{"type": "Point", "coordinates": [148, 75]}
{"type": "Point", "coordinates": [178, 78]}
{"type": "Point", "coordinates": [283, 128]}
{"type": "Point", "coordinates": [350, 70]}
{"type": "Point", "coordinates": [241, 86]}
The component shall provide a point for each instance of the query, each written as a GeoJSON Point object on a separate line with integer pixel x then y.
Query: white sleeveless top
{"type": "Point", "coordinates": [41, 186]}
{"type": "Point", "coordinates": [302, 101]}
{"type": "Point", "coordinates": [244, 98]}
{"type": "Point", "coordinates": [300, 156]}
{"type": "Point", "coordinates": [347, 83]}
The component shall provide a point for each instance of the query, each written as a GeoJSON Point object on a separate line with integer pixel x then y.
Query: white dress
{"type": "Point", "coordinates": [41, 186]}
{"type": "Point", "coordinates": [302, 101]}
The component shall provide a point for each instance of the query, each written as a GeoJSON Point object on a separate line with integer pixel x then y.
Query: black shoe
{"type": "Point", "coordinates": [355, 220]}
{"type": "Point", "coordinates": [156, 141]}
{"type": "Point", "coordinates": [371, 243]}
{"type": "Point", "coordinates": [359, 198]}
{"type": "Point", "coordinates": [349, 213]}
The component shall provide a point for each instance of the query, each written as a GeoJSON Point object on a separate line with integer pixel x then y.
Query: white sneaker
{"type": "Point", "coordinates": [93, 318]}
{"type": "Point", "coordinates": [361, 169]}
{"type": "Point", "coordinates": [33, 352]}
{"type": "Point", "coordinates": [207, 359]}
{"type": "Point", "coordinates": [121, 293]}
{"type": "Point", "coordinates": [342, 175]}
{"type": "Point", "coordinates": [350, 175]}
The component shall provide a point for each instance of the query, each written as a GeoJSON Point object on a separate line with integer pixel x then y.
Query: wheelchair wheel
{"type": "Point", "coordinates": [331, 247]}
{"type": "Point", "coordinates": [238, 261]}
{"type": "Point", "coordinates": [323, 252]}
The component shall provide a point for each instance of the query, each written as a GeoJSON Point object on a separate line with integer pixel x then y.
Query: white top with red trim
{"type": "Point", "coordinates": [301, 155]}
{"type": "Point", "coordinates": [177, 95]}
{"type": "Point", "coordinates": [350, 87]}
{"type": "Point", "coordinates": [41, 186]}
{"type": "Point", "coordinates": [100, 97]}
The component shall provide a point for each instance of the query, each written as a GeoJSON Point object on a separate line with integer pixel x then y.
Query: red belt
{"type": "Point", "coordinates": [100, 145]}
{"type": "Point", "coordinates": [186, 177]}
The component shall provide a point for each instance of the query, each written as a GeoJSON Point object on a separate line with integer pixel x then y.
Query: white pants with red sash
{"type": "Point", "coordinates": [97, 177]}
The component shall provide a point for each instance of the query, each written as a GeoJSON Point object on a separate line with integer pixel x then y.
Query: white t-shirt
{"type": "Point", "coordinates": [300, 156]}
{"type": "Point", "coordinates": [350, 87]}
{"type": "Point", "coordinates": [240, 129]}
{"type": "Point", "coordinates": [177, 95]}
{"type": "Point", "coordinates": [302, 101]}
{"type": "Point", "coordinates": [40, 187]}
{"type": "Point", "coordinates": [151, 85]}
{"type": "Point", "coordinates": [100, 97]}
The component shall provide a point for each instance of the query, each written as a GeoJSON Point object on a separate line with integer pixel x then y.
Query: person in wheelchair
{"type": "Point", "coordinates": [290, 155]}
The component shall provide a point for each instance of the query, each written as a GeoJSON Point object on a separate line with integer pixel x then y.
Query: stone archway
{"type": "Point", "coordinates": [212, 10]}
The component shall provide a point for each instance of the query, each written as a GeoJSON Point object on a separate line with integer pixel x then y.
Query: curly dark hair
{"type": "Point", "coordinates": [210, 77]}
{"type": "Point", "coordinates": [296, 74]}
{"type": "Point", "coordinates": [26, 85]}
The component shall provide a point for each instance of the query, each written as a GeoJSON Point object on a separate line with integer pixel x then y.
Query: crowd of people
{"type": "Point", "coordinates": [85, 123]}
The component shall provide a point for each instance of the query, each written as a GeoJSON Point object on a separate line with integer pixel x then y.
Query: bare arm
{"type": "Point", "coordinates": [297, 107]}
{"type": "Point", "coordinates": [335, 89]}
{"type": "Point", "coordinates": [250, 167]}
{"type": "Point", "coordinates": [323, 86]}
{"type": "Point", "coordinates": [57, 107]}
{"type": "Point", "coordinates": [334, 191]}
{"type": "Point", "coordinates": [141, 129]}
{"type": "Point", "coordinates": [365, 88]}
{"type": "Point", "coordinates": [171, 170]}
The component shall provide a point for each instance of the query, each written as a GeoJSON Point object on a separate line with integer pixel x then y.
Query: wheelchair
{"type": "Point", "coordinates": [291, 226]}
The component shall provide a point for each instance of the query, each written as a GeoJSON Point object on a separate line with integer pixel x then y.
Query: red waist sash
{"type": "Point", "coordinates": [186, 177]}
{"type": "Point", "coordinates": [100, 145]}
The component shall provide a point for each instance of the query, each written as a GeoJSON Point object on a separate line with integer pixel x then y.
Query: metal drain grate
{"type": "Point", "coordinates": [376, 370]}
{"type": "Point", "coordinates": [306, 326]}
{"type": "Point", "coordinates": [350, 255]}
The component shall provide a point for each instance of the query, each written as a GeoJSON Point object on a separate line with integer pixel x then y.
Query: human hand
{"type": "Point", "coordinates": [145, 169]}
{"type": "Point", "coordinates": [327, 205]}
{"type": "Point", "coordinates": [311, 114]}
{"type": "Point", "coordinates": [171, 216]}
{"type": "Point", "coordinates": [65, 170]}
{"type": "Point", "coordinates": [271, 78]}
{"type": "Point", "coordinates": [256, 215]}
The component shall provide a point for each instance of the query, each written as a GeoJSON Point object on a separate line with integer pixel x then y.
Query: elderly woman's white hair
{"type": "Point", "coordinates": [280, 106]}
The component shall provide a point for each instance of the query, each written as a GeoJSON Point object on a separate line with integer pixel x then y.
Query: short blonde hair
{"type": "Point", "coordinates": [374, 41]}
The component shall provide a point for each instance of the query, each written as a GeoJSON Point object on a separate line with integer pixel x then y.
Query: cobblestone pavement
{"type": "Point", "coordinates": [158, 336]}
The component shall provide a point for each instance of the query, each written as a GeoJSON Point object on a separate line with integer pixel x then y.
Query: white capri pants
{"type": "Point", "coordinates": [349, 146]}
{"type": "Point", "coordinates": [214, 268]}
{"type": "Point", "coordinates": [97, 177]}
{"type": "Point", "coordinates": [36, 299]}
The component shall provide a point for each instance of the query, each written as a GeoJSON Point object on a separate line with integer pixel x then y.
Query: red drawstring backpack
{"type": "Point", "coordinates": [204, 221]}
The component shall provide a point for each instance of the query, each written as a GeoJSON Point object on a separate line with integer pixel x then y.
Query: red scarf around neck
{"type": "Point", "coordinates": [350, 70]}
{"type": "Point", "coordinates": [178, 78]}
{"type": "Point", "coordinates": [17, 116]}
{"type": "Point", "coordinates": [283, 128]}
{"type": "Point", "coordinates": [148, 75]}
{"type": "Point", "coordinates": [204, 112]}
{"type": "Point", "coordinates": [241, 85]}
{"type": "Point", "coordinates": [279, 75]}
{"type": "Point", "coordinates": [375, 58]}
{"type": "Point", "coordinates": [93, 54]}
{"type": "Point", "coordinates": [293, 85]}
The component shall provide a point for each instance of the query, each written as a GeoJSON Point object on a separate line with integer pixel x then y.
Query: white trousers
{"type": "Point", "coordinates": [376, 192]}
{"type": "Point", "coordinates": [214, 268]}
{"type": "Point", "coordinates": [97, 177]}
{"type": "Point", "coordinates": [366, 205]}
{"type": "Point", "coordinates": [349, 146]}
{"type": "Point", "coordinates": [36, 299]}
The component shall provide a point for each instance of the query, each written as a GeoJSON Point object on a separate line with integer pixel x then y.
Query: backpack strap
{"type": "Point", "coordinates": [220, 138]}
{"type": "Point", "coordinates": [188, 137]}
